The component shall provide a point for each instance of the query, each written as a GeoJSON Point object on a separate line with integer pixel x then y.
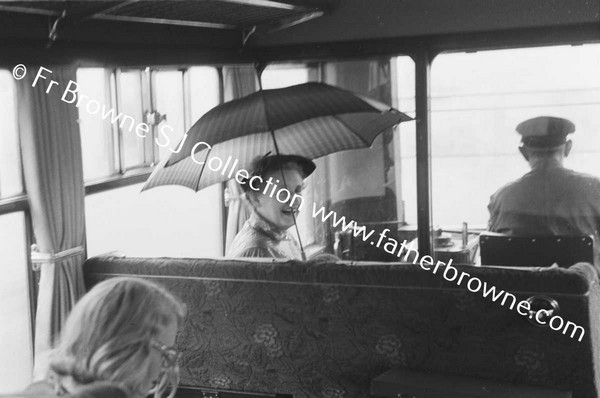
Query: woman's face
{"type": "Point", "coordinates": [166, 337]}
{"type": "Point", "coordinates": [269, 207]}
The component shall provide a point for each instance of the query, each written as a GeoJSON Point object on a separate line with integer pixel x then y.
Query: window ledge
{"type": "Point", "coordinates": [118, 181]}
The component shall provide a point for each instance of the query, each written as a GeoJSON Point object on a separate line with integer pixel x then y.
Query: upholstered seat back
{"type": "Point", "coordinates": [325, 330]}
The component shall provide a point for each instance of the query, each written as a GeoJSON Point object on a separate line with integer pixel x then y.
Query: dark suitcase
{"type": "Point", "coordinates": [201, 392]}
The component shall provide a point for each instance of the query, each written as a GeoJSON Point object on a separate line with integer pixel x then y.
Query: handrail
{"type": "Point", "coordinates": [14, 204]}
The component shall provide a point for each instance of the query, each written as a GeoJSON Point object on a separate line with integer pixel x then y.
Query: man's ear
{"type": "Point", "coordinates": [568, 146]}
{"type": "Point", "coordinates": [524, 152]}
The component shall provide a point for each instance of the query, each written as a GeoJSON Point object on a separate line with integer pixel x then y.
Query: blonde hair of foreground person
{"type": "Point", "coordinates": [112, 335]}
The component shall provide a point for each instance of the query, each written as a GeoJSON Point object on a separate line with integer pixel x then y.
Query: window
{"type": "Point", "coordinates": [16, 346]}
{"type": "Point", "coordinates": [477, 101]}
{"type": "Point", "coordinates": [168, 97]}
{"type": "Point", "coordinates": [10, 162]}
{"type": "Point", "coordinates": [97, 141]}
{"type": "Point", "coordinates": [164, 221]}
{"type": "Point", "coordinates": [279, 76]}
{"type": "Point", "coordinates": [16, 338]}
{"type": "Point", "coordinates": [366, 185]}
{"type": "Point", "coordinates": [135, 147]}
{"type": "Point", "coordinates": [168, 221]}
{"type": "Point", "coordinates": [350, 182]}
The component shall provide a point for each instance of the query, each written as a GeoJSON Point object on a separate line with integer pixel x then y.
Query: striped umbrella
{"type": "Point", "coordinates": [310, 119]}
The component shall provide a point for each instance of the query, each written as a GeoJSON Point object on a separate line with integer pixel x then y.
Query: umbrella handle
{"type": "Point", "coordinates": [259, 67]}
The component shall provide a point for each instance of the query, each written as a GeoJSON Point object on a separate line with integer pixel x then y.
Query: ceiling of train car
{"type": "Point", "coordinates": [237, 27]}
{"type": "Point", "coordinates": [224, 23]}
{"type": "Point", "coordinates": [217, 14]}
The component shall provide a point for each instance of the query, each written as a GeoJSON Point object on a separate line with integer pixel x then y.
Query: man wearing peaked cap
{"type": "Point", "coordinates": [545, 131]}
{"type": "Point", "coordinates": [550, 199]}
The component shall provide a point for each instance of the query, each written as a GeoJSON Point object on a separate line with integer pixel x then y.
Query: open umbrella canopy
{"type": "Point", "coordinates": [311, 120]}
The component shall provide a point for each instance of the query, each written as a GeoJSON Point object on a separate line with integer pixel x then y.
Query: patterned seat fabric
{"type": "Point", "coordinates": [325, 330]}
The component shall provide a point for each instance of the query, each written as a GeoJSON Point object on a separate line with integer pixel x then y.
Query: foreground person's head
{"type": "Point", "coordinates": [121, 331]}
{"type": "Point", "coordinates": [544, 140]}
{"type": "Point", "coordinates": [276, 201]}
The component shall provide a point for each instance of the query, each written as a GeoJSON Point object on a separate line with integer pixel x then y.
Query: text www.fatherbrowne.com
{"type": "Point", "coordinates": [450, 273]}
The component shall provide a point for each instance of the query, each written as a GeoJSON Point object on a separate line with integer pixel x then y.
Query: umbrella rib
{"type": "Point", "coordinates": [352, 130]}
{"type": "Point", "coordinates": [266, 112]}
{"type": "Point", "coordinates": [202, 171]}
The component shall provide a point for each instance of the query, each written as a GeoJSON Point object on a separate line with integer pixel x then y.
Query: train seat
{"type": "Point", "coordinates": [329, 329]}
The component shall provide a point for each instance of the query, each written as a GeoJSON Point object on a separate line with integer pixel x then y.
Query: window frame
{"type": "Point", "coordinates": [423, 51]}
{"type": "Point", "coordinates": [116, 96]}
{"type": "Point", "coordinates": [125, 177]}
{"type": "Point", "coordinates": [423, 61]}
{"type": "Point", "coordinates": [20, 203]}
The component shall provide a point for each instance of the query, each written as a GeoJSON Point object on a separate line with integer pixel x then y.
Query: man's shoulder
{"type": "Point", "coordinates": [563, 174]}
{"type": "Point", "coordinates": [507, 188]}
{"type": "Point", "coordinates": [588, 178]}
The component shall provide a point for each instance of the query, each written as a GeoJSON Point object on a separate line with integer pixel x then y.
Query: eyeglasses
{"type": "Point", "coordinates": [170, 355]}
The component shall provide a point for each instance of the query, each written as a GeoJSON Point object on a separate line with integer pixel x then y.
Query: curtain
{"type": "Point", "coordinates": [53, 174]}
{"type": "Point", "coordinates": [238, 81]}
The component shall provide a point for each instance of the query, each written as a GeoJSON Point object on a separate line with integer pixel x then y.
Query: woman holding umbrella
{"type": "Point", "coordinates": [264, 233]}
{"type": "Point", "coordinates": [310, 119]}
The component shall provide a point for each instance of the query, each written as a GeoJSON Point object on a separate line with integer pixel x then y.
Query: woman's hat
{"type": "Point", "coordinates": [269, 163]}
